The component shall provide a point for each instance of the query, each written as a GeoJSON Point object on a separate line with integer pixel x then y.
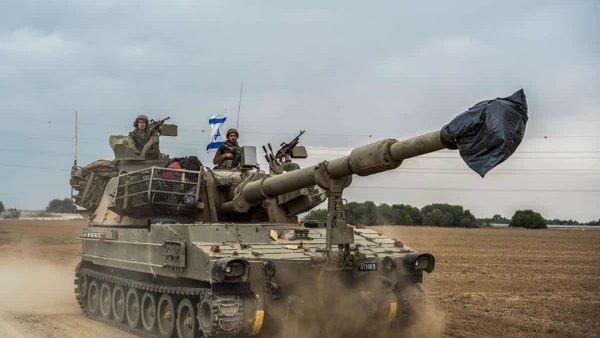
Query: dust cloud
{"type": "Point", "coordinates": [329, 306]}
{"type": "Point", "coordinates": [430, 322]}
{"type": "Point", "coordinates": [34, 286]}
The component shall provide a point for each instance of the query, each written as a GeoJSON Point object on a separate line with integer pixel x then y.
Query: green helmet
{"type": "Point", "coordinates": [140, 117]}
{"type": "Point", "coordinates": [232, 130]}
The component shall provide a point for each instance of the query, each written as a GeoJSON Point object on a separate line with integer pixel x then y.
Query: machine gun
{"type": "Point", "coordinates": [156, 125]}
{"type": "Point", "coordinates": [288, 150]}
{"type": "Point", "coordinates": [158, 128]}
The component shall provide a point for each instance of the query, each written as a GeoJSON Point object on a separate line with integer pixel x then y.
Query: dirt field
{"type": "Point", "coordinates": [487, 282]}
{"type": "Point", "coordinates": [512, 282]}
{"type": "Point", "coordinates": [37, 261]}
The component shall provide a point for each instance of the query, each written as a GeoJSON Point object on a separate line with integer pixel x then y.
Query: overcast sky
{"type": "Point", "coordinates": [348, 72]}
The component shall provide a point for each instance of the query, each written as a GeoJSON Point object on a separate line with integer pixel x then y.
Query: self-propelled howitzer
{"type": "Point", "coordinates": [219, 253]}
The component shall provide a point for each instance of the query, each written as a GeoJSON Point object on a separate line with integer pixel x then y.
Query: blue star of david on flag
{"type": "Point", "coordinates": [216, 122]}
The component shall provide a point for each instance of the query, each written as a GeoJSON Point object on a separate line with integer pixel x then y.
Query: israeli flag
{"type": "Point", "coordinates": [216, 135]}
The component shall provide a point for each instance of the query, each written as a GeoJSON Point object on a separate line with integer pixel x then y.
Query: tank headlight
{"type": "Point", "coordinates": [230, 270]}
{"type": "Point", "coordinates": [235, 269]}
{"type": "Point", "coordinates": [419, 262]}
{"type": "Point", "coordinates": [422, 263]}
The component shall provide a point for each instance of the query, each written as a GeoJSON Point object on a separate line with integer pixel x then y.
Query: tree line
{"type": "Point", "coordinates": [436, 214]}
{"type": "Point", "coordinates": [368, 213]}
{"type": "Point", "coordinates": [56, 205]}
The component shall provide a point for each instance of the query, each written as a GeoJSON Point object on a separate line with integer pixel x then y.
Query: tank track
{"type": "Point", "coordinates": [226, 316]}
{"type": "Point", "coordinates": [193, 294]}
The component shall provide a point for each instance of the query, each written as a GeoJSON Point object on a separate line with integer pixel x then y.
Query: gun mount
{"type": "Point", "coordinates": [281, 160]}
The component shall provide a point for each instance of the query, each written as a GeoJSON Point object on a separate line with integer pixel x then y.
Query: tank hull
{"type": "Point", "coordinates": [135, 279]}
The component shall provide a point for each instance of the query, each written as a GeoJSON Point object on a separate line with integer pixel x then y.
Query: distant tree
{"type": "Point", "coordinates": [437, 217]}
{"type": "Point", "coordinates": [384, 214]}
{"type": "Point", "coordinates": [353, 214]}
{"type": "Point", "coordinates": [370, 213]}
{"type": "Point", "coordinates": [405, 214]}
{"type": "Point", "coordinates": [594, 222]}
{"type": "Point", "coordinates": [527, 219]}
{"type": "Point", "coordinates": [61, 206]}
{"type": "Point", "coordinates": [316, 215]}
{"type": "Point", "coordinates": [361, 213]}
{"type": "Point", "coordinates": [497, 218]}
{"type": "Point", "coordinates": [562, 221]}
{"type": "Point", "coordinates": [446, 215]}
{"type": "Point", "coordinates": [1, 207]}
{"type": "Point", "coordinates": [467, 220]}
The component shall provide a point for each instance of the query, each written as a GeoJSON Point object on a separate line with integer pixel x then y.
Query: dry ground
{"type": "Point", "coordinates": [37, 262]}
{"type": "Point", "coordinates": [487, 282]}
{"type": "Point", "coordinates": [512, 282]}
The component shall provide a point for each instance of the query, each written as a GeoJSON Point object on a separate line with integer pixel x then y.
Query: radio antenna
{"type": "Point", "coordinates": [237, 122]}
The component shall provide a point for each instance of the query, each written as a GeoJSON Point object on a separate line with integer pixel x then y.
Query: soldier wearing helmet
{"type": "Point", "coordinates": [140, 136]}
{"type": "Point", "coordinates": [229, 154]}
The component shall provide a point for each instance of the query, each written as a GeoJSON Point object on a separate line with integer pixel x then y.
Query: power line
{"type": "Point", "coordinates": [476, 189]}
{"type": "Point", "coordinates": [22, 166]}
{"type": "Point", "coordinates": [434, 157]}
{"type": "Point", "coordinates": [401, 172]}
{"type": "Point", "coordinates": [317, 134]}
{"type": "Point", "coordinates": [448, 151]}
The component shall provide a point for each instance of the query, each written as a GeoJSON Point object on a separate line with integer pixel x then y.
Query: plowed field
{"type": "Point", "coordinates": [512, 282]}
{"type": "Point", "coordinates": [487, 282]}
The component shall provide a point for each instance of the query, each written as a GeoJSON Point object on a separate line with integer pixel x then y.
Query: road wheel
{"type": "Point", "coordinates": [148, 311]}
{"type": "Point", "coordinates": [166, 316]}
{"type": "Point", "coordinates": [186, 319]}
{"type": "Point", "coordinates": [93, 298]}
{"type": "Point", "coordinates": [105, 300]}
{"type": "Point", "coordinates": [118, 303]}
{"type": "Point", "coordinates": [132, 308]}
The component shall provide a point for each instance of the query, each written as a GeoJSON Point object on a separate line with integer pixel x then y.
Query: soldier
{"type": "Point", "coordinates": [288, 165]}
{"type": "Point", "coordinates": [229, 154]}
{"type": "Point", "coordinates": [140, 136]}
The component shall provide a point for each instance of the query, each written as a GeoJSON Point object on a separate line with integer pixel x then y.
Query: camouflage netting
{"type": "Point", "coordinates": [88, 183]}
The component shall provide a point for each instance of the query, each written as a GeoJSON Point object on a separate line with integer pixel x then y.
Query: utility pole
{"type": "Point", "coordinates": [75, 140]}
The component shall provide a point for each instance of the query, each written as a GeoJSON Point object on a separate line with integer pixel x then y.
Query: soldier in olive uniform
{"type": "Point", "coordinates": [139, 137]}
{"type": "Point", "coordinates": [229, 154]}
{"type": "Point", "coordinates": [288, 165]}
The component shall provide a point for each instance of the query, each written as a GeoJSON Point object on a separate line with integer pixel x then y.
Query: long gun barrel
{"type": "Point", "coordinates": [366, 160]}
{"type": "Point", "coordinates": [486, 135]}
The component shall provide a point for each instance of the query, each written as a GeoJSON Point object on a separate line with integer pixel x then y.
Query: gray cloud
{"type": "Point", "coordinates": [340, 68]}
